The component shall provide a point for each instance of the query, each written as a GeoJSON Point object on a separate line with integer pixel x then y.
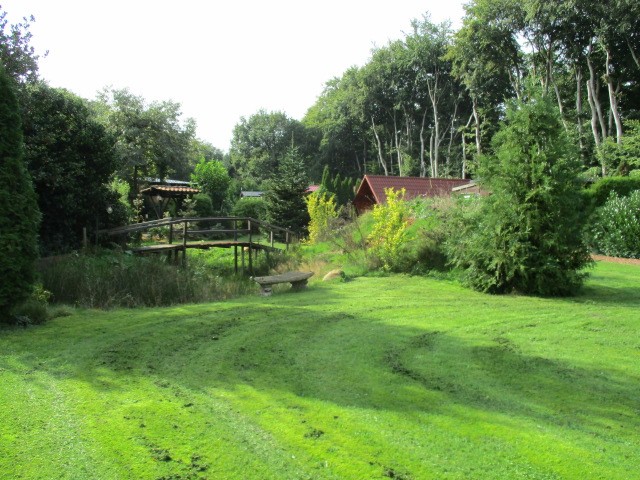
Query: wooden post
{"type": "Point", "coordinates": [250, 261]}
{"type": "Point", "coordinates": [85, 239]}
{"type": "Point", "coordinates": [170, 234]}
{"type": "Point", "coordinates": [184, 244]}
{"type": "Point", "coordinates": [286, 240]}
{"type": "Point", "coordinates": [271, 234]}
{"type": "Point", "coordinates": [184, 235]}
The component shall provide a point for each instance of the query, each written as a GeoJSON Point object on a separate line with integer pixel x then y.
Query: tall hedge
{"type": "Point", "coordinates": [19, 215]}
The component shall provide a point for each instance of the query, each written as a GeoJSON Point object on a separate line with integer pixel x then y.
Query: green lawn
{"type": "Point", "coordinates": [399, 377]}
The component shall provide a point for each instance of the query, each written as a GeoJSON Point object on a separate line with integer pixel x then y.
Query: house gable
{"type": "Point", "coordinates": [372, 188]}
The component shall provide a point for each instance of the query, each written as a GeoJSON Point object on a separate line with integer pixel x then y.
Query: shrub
{"type": "Point", "coordinates": [389, 229]}
{"type": "Point", "coordinates": [600, 191]}
{"type": "Point", "coordinates": [252, 208]}
{"type": "Point", "coordinates": [19, 215]}
{"type": "Point", "coordinates": [34, 310]}
{"type": "Point", "coordinates": [527, 235]}
{"type": "Point", "coordinates": [615, 226]}
{"type": "Point", "coordinates": [322, 213]}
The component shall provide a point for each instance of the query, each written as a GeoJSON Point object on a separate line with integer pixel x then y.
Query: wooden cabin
{"type": "Point", "coordinates": [372, 188]}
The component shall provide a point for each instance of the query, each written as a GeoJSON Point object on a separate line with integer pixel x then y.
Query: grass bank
{"type": "Point", "coordinates": [398, 377]}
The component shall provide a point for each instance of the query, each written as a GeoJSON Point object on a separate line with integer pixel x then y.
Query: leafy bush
{"type": "Point", "coordinates": [202, 205]}
{"type": "Point", "coordinates": [34, 310]}
{"type": "Point", "coordinates": [389, 229]}
{"type": "Point", "coordinates": [615, 226]}
{"type": "Point", "coordinates": [322, 212]}
{"type": "Point", "coordinates": [250, 207]}
{"type": "Point", "coordinates": [600, 191]}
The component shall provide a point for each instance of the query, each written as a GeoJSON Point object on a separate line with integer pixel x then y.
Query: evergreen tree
{"type": "Point", "coordinates": [527, 235]}
{"type": "Point", "coordinates": [285, 196]}
{"type": "Point", "coordinates": [19, 215]}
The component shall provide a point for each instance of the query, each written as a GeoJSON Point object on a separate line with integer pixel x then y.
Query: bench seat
{"type": "Point", "coordinates": [298, 281]}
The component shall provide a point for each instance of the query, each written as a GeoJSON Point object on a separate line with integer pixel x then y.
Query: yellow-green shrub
{"type": "Point", "coordinates": [322, 210]}
{"type": "Point", "coordinates": [390, 228]}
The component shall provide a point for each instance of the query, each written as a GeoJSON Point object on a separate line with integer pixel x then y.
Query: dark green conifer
{"type": "Point", "coordinates": [19, 215]}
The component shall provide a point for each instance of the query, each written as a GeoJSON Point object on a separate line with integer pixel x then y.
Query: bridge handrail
{"type": "Point", "coordinates": [142, 226]}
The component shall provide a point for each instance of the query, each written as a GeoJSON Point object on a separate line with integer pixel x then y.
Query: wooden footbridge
{"type": "Point", "coordinates": [243, 234]}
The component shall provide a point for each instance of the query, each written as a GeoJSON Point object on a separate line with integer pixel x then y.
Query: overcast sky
{"type": "Point", "coordinates": [220, 60]}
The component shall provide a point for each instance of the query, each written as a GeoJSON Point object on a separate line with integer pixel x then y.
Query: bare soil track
{"type": "Point", "coordinates": [626, 261]}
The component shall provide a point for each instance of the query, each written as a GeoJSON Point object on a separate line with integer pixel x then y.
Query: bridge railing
{"type": "Point", "coordinates": [240, 226]}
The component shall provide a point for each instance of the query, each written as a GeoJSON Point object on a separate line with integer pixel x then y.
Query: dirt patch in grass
{"type": "Point", "coordinates": [625, 261]}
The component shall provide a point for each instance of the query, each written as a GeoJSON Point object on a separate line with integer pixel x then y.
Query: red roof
{"type": "Point", "coordinates": [414, 186]}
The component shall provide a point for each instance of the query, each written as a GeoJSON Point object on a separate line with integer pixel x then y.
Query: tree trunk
{"type": "Point", "coordinates": [397, 141]}
{"type": "Point", "coordinates": [452, 132]}
{"type": "Point", "coordinates": [595, 97]}
{"type": "Point", "coordinates": [560, 107]}
{"type": "Point", "coordinates": [434, 164]}
{"type": "Point", "coordinates": [433, 95]}
{"type": "Point", "coordinates": [464, 148]}
{"type": "Point", "coordinates": [612, 97]}
{"type": "Point", "coordinates": [383, 163]}
{"type": "Point", "coordinates": [579, 106]}
{"type": "Point", "coordinates": [423, 164]}
{"type": "Point", "coordinates": [476, 117]}
{"type": "Point", "coordinates": [633, 54]}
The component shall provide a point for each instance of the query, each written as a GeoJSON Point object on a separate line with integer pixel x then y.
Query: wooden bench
{"type": "Point", "coordinates": [298, 281]}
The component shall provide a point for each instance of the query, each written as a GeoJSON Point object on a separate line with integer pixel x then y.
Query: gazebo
{"type": "Point", "coordinates": [159, 195]}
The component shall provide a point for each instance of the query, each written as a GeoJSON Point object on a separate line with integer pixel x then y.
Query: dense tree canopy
{"type": "Point", "coordinates": [262, 141]}
{"type": "Point", "coordinates": [71, 158]}
{"type": "Point", "coordinates": [19, 214]}
{"type": "Point", "coordinates": [151, 140]}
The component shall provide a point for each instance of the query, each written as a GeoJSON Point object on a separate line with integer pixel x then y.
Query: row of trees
{"type": "Point", "coordinates": [428, 104]}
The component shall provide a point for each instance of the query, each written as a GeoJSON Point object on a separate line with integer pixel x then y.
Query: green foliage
{"type": "Point", "coordinates": [151, 139]}
{"type": "Point", "coordinates": [621, 158]}
{"type": "Point", "coordinates": [342, 188]}
{"type": "Point", "coordinates": [615, 226]}
{"type": "Point", "coordinates": [598, 193]}
{"type": "Point", "coordinates": [286, 206]}
{"type": "Point", "coordinates": [109, 280]}
{"type": "Point", "coordinates": [19, 215]}
{"type": "Point", "coordinates": [389, 229]}
{"type": "Point", "coordinates": [17, 56]}
{"type": "Point", "coordinates": [252, 208]}
{"type": "Point", "coordinates": [261, 141]}
{"type": "Point", "coordinates": [70, 157]}
{"type": "Point", "coordinates": [202, 205]}
{"type": "Point", "coordinates": [35, 309]}
{"type": "Point", "coordinates": [322, 214]}
{"type": "Point", "coordinates": [527, 235]}
{"type": "Point", "coordinates": [213, 179]}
